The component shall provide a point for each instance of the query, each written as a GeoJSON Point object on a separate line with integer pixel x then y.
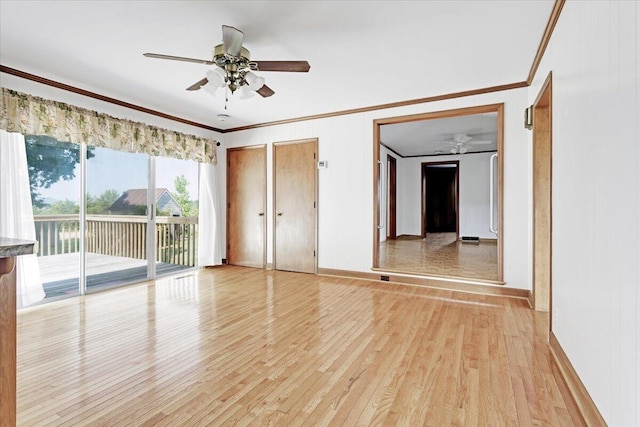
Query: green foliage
{"type": "Point", "coordinates": [100, 205]}
{"type": "Point", "coordinates": [49, 161]}
{"type": "Point", "coordinates": [61, 207]}
{"type": "Point", "coordinates": [181, 195]}
{"type": "Point", "coordinates": [96, 205]}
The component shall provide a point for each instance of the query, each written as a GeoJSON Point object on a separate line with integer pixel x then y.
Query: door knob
{"type": "Point", "coordinates": [261, 214]}
{"type": "Point", "coordinates": [279, 213]}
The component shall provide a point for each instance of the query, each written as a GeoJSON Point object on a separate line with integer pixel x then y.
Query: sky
{"type": "Point", "coordinates": [120, 171]}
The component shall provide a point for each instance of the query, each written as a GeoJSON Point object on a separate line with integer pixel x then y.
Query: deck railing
{"type": "Point", "coordinates": [119, 235]}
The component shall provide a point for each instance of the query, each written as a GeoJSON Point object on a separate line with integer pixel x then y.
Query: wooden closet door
{"type": "Point", "coordinates": [246, 204]}
{"type": "Point", "coordinates": [295, 174]}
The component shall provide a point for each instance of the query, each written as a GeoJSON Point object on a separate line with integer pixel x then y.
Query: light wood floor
{"type": "Point", "coordinates": [235, 345]}
{"type": "Point", "coordinates": [440, 254]}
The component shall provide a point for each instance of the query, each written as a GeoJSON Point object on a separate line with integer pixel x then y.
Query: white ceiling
{"type": "Point", "coordinates": [435, 136]}
{"type": "Point", "coordinates": [362, 53]}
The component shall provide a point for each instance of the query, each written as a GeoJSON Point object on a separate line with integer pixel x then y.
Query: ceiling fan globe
{"type": "Point", "coordinates": [253, 81]}
{"type": "Point", "coordinates": [245, 92]}
{"type": "Point", "coordinates": [216, 77]}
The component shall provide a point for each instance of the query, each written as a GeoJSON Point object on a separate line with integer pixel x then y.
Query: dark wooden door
{"type": "Point", "coordinates": [441, 190]}
{"type": "Point", "coordinates": [295, 173]}
{"type": "Point", "coordinates": [391, 219]}
{"type": "Point", "coordinates": [246, 203]}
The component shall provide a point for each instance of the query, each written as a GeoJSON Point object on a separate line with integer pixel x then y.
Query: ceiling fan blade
{"type": "Point", "coordinates": [232, 40]}
{"type": "Point", "coordinates": [291, 66]}
{"type": "Point", "coordinates": [198, 84]}
{"type": "Point", "coordinates": [474, 142]}
{"type": "Point", "coordinates": [177, 58]}
{"type": "Point", "coordinates": [265, 91]}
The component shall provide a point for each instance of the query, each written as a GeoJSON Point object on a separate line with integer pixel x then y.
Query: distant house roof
{"type": "Point", "coordinates": [136, 199]}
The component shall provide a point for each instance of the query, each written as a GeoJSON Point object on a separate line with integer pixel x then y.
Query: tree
{"type": "Point", "coordinates": [62, 207]}
{"type": "Point", "coordinates": [181, 195]}
{"type": "Point", "coordinates": [100, 205]}
{"type": "Point", "coordinates": [49, 161]}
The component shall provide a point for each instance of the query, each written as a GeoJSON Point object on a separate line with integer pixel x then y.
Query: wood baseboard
{"type": "Point", "coordinates": [530, 299]}
{"type": "Point", "coordinates": [588, 409]}
{"type": "Point", "coordinates": [438, 283]}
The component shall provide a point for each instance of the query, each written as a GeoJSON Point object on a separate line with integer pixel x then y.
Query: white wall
{"type": "Point", "coordinates": [474, 193]}
{"type": "Point", "coordinates": [594, 57]}
{"type": "Point", "coordinates": [345, 239]}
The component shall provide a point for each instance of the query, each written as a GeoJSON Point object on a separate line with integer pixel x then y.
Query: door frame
{"type": "Point", "coordinates": [423, 193]}
{"type": "Point", "coordinates": [490, 108]}
{"type": "Point", "coordinates": [264, 201]}
{"type": "Point", "coordinates": [315, 195]}
{"type": "Point", "coordinates": [542, 178]}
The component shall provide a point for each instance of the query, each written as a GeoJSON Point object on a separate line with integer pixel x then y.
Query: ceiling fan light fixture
{"type": "Point", "coordinates": [253, 81]}
{"type": "Point", "coordinates": [216, 77]}
{"type": "Point", "coordinates": [245, 92]}
{"type": "Point", "coordinates": [232, 67]}
{"type": "Point", "coordinates": [461, 138]}
{"type": "Point", "coordinates": [453, 150]}
{"type": "Point", "coordinates": [463, 150]}
{"type": "Point", "coordinates": [210, 88]}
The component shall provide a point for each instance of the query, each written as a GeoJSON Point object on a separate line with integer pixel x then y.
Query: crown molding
{"type": "Point", "coordinates": [546, 36]}
{"type": "Point", "coordinates": [453, 95]}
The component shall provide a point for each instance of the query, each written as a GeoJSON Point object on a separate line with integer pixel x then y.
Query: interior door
{"type": "Point", "coordinates": [295, 175]}
{"type": "Point", "coordinates": [441, 210]}
{"type": "Point", "coordinates": [246, 202]}
{"type": "Point", "coordinates": [392, 198]}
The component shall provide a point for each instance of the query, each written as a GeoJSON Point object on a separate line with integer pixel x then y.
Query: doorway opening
{"type": "Point", "coordinates": [440, 197]}
{"type": "Point", "coordinates": [448, 178]}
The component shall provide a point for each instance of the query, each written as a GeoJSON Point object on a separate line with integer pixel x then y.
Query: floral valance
{"type": "Point", "coordinates": [31, 115]}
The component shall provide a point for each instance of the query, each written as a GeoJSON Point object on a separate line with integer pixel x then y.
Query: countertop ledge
{"type": "Point", "coordinates": [14, 247]}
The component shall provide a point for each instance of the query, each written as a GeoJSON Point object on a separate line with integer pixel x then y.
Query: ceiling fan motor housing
{"type": "Point", "coordinates": [235, 67]}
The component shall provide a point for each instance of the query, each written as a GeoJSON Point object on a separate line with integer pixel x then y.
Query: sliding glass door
{"type": "Point", "coordinates": [138, 219]}
{"type": "Point", "coordinates": [54, 178]}
{"type": "Point", "coordinates": [116, 218]}
{"type": "Point", "coordinates": [176, 221]}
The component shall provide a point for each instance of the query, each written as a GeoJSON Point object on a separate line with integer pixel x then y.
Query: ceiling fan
{"type": "Point", "coordinates": [234, 67]}
{"type": "Point", "coordinates": [461, 142]}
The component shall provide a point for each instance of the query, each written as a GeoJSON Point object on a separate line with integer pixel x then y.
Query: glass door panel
{"type": "Point", "coordinates": [116, 220]}
{"type": "Point", "coordinates": [176, 201]}
{"type": "Point", "coordinates": [54, 178]}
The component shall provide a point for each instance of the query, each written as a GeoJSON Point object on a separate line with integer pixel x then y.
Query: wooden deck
{"type": "Point", "coordinates": [59, 273]}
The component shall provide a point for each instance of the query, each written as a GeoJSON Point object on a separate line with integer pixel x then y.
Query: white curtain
{"type": "Point", "coordinates": [16, 213]}
{"type": "Point", "coordinates": [209, 238]}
